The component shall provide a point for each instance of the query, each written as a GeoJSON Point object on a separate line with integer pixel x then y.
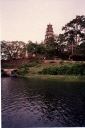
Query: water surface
{"type": "Point", "coordinates": [42, 103]}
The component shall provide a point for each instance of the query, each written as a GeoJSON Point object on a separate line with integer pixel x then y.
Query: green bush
{"type": "Point", "coordinates": [22, 70]}
{"type": "Point", "coordinates": [75, 69]}
{"type": "Point", "coordinates": [25, 68]}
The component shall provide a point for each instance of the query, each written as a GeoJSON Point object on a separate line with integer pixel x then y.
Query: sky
{"type": "Point", "coordinates": [26, 20]}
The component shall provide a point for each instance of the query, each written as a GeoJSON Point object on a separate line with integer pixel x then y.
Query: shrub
{"type": "Point", "coordinates": [75, 69]}
{"type": "Point", "coordinates": [22, 70]}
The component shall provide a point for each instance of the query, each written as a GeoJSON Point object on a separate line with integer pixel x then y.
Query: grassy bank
{"type": "Point", "coordinates": [65, 71]}
{"type": "Point", "coordinates": [62, 78]}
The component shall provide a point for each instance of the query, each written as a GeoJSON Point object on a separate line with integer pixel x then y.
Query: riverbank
{"type": "Point", "coordinates": [60, 71]}
{"type": "Point", "coordinates": [35, 71]}
{"type": "Point", "coordinates": [62, 78]}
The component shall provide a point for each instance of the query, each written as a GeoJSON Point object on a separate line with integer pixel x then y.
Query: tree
{"type": "Point", "coordinates": [35, 48]}
{"type": "Point", "coordinates": [61, 43]}
{"type": "Point", "coordinates": [80, 50]}
{"type": "Point", "coordinates": [12, 50]}
{"type": "Point", "coordinates": [51, 47]}
{"type": "Point", "coordinates": [40, 49]}
{"type": "Point", "coordinates": [74, 32]}
{"type": "Point", "coordinates": [31, 47]}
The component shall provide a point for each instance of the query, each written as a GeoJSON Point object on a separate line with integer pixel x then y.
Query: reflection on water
{"type": "Point", "coordinates": [41, 103]}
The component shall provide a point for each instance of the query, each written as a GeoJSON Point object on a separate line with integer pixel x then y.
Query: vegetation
{"type": "Point", "coordinates": [80, 50]}
{"type": "Point", "coordinates": [74, 69]}
{"type": "Point", "coordinates": [60, 70]}
{"type": "Point", "coordinates": [53, 71]}
{"type": "Point", "coordinates": [74, 32]}
{"type": "Point", "coordinates": [35, 48]}
{"type": "Point", "coordinates": [65, 46]}
{"type": "Point", "coordinates": [66, 78]}
{"type": "Point", "coordinates": [70, 45]}
{"type": "Point", "coordinates": [12, 50]}
{"type": "Point", "coordinates": [24, 69]}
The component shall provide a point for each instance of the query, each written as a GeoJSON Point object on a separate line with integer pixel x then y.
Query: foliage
{"type": "Point", "coordinates": [51, 48]}
{"type": "Point", "coordinates": [5, 65]}
{"type": "Point", "coordinates": [69, 43]}
{"type": "Point", "coordinates": [23, 70]}
{"type": "Point", "coordinates": [31, 47]}
{"type": "Point", "coordinates": [61, 43]}
{"type": "Point", "coordinates": [35, 48]}
{"type": "Point", "coordinates": [74, 32]}
{"type": "Point", "coordinates": [79, 57]}
{"type": "Point", "coordinates": [81, 49]}
{"type": "Point", "coordinates": [75, 69]}
{"type": "Point", "coordinates": [13, 49]}
{"type": "Point", "coordinates": [31, 64]}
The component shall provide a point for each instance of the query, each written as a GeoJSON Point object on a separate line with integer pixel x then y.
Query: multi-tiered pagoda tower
{"type": "Point", "coordinates": [49, 33]}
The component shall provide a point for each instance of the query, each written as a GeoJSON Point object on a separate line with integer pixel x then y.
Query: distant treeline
{"type": "Point", "coordinates": [69, 45]}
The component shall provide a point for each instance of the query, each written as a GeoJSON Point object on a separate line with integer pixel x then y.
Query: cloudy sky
{"type": "Point", "coordinates": [27, 19]}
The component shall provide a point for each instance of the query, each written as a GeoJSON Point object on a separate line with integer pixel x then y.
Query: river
{"type": "Point", "coordinates": [42, 103]}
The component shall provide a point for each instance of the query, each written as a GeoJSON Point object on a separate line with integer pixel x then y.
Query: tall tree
{"type": "Point", "coordinates": [31, 47]}
{"type": "Point", "coordinates": [74, 32]}
{"type": "Point", "coordinates": [36, 48]}
{"type": "Point", "coordinates": [13, 49]}
{"type": "Point", "coordinates": [51, 47]}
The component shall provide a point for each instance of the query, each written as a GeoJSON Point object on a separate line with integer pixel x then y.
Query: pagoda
{"type": "Point", "coordinates": [49, 33]}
